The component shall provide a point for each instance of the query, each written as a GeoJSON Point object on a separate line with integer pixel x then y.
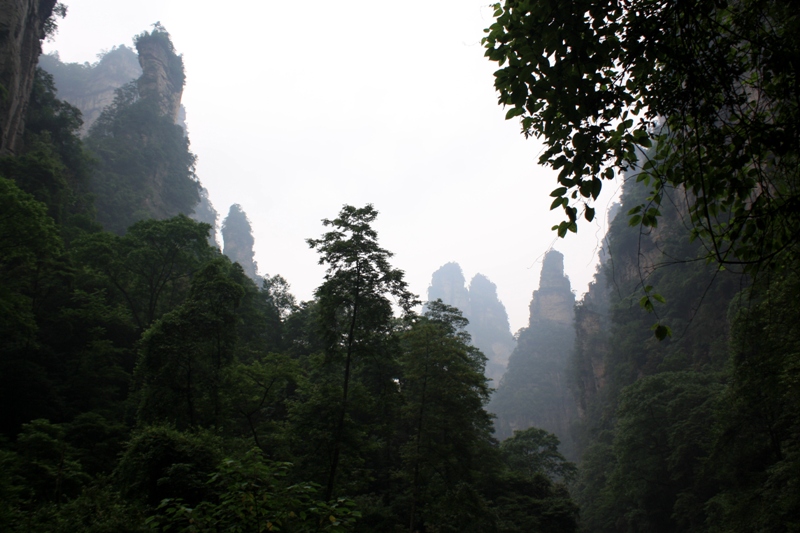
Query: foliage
{"type": "Point", "coordinates": [533, 505]}
{"type": "Point", "coordinates": [160, 462]}
{"type": "Point", "coordinates": [28, 239]}
{"type": "Point", "coordinates": [53, 166]}
{"type": "Point", "coordinates": [757, 451]}
{"type": "Point", "coordinates": [150, 267]}
{"type": "Point", "coordinates": [446, 429]}
{"type": "Point", "coordinates": [710, 83]}
{"type": "Point", "coordinates": [354, 309]}
{"type": "Point", "coordinates": [533, 451]}
{"type": "Point", "coordinates": [252, 495]}
{"type": "Point", "coordinates": [186, 354]}
{"type": "Point", "coordinates": [145, 168]}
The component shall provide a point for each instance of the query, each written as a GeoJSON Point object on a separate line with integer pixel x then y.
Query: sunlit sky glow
{"type": "Point", "coordinates": [296, 108]}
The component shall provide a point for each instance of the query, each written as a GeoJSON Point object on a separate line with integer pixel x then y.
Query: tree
{"type": "Point", "coordinates": [444, 392]}
{"type": "Point", "coordinates": [150, 268]}
{"type": "Point", "coordinates": [534, 450]}
{"type": "Point", "coordinates": [186, 353]}
{"type": "Point", "coordinates": [710, 83]}
{"type": "Point", "coordinates": [354, 305]}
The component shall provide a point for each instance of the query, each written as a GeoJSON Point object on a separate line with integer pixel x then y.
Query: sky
{"type": "Point", "coordinates": [295, 109]}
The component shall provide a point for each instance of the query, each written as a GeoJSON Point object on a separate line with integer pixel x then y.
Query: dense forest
{"type": "Point", "coordinates": [151, 381]}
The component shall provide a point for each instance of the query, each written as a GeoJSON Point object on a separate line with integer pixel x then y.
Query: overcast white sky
{"type": "Point", "coordinates": [296, 108]}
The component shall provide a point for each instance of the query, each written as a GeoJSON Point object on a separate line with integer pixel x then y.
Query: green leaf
{"type": "Point", "coordinates": [661, 331]}
{"type": "Point", "coordinates": [514, 112]}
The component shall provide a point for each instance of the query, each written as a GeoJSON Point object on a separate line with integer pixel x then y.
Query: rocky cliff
{"type": "Point", "coordinates": [448, 284]}
{"type": "Point", "coordinates": [488, 320]}
{"type": "Point", "coordinates": [237, 236]}
{"type": "Point", "coordinates": [489, 327]}
{"type": "Point", "coordinates": [23, 24]}
{"type": "Point", "coordinates": [162, 72]}
{"type": "Point", "coordinates": [91, 87]}
{"type": "Point", "coordinates": [534, 390]}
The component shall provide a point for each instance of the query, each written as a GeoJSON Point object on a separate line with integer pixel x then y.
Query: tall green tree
{"type": "Point", "coordinates": [355, 309]}
{"type": "Point", "coordinates": [148, 270]}
{"type": "Point", "coordinates": [186, 353]}
{"type": "Point", "coordinates": [447, 429]}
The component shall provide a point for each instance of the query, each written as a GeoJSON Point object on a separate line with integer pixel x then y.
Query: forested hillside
{"type": "Point", "coordinates": [149, 383]}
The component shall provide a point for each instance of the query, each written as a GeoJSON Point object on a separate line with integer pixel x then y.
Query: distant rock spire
{"type": "Point", "coordinates": [162, 71]}
{"type": "Point", "coordinates": [489, 327]}
{"type": "Point", "coordinates": [533, 392]}
{"type": "Point", "coordinates": [237, 236]}
{"type": "Point", "coordinates": [488, 320]}
{"type": "Point", "coordinates": [447, 284]}
{"type": "Point", "coordinates": [554, 301]}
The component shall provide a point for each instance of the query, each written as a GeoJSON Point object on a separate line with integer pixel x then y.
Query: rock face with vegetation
{"type": "Point", "coordinates": [238, 241]}
{"type": "Point", "coordinates": [488, 321]}
{"type": "Point", "coordinates": [23, 25]}
{"type": "Point", "coordinates": [448, 284]}
{"type": "Point", "coordinates": [145, 168]}
{"type": "Point", "coordinates": [534, 391]}
{"type": "Point", "coordinates": [91, 87]}
{"type": "Point", "coordinates": [488, 326]}
{"type": "Point", "coordinates": [162, 71]}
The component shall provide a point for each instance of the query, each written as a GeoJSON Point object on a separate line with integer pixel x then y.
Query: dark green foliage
{"type": "Point", "coordinates": [447, 431]}
{"type": "Point", "coordinates": [533, 505]}
{"type": "Point", "coordinates": [30, 253]}
{"type": "Point", "coordinates": [712, 84]}
{"type": "Point", "coordinates": [533, 451]}
{"type": "Point", "coordinates": [150, 268]}
{"type": "Point", "coordinates": [758, 447]}
{"type": "Point", "coordinates": [355, 316]}
{"type": "Point", "coordinates": [145, 168]}
{"type": "Point", "coordinates": [186, 353]}
{"type": "Point", "coordinates": [253, 495]}
{"type": "Point", "coordinates": [28, 241]}
{"type": "Point", "coordinates": [160, 462]}
{"type": "Point", "coordinates": [47, 464]}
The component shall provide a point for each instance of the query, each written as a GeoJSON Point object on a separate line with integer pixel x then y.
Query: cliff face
{"type": "Point", "coordinates": [534, 391]}
{"type": "Point", "coordinates": [22, 28]}
{"type": "Point", "coordinates": [488, 325]}
{"type": "Point", "coordinates": [488, 320]}
{"type": "Point", "coordinates": [162, 74]}
{"type": "Point", "coordinates": [447, 284]}
{"type": "Point", "coordinates": [554, 300]}
{"type": "Point", "coordinates": [592, 324]}
{"type": "Point", "coordinates": [91, 88]}
{"type": "Point", "coordinates": [237, 236]}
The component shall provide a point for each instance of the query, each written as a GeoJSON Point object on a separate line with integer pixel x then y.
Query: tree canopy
{"type": "Point", "coordinates": [711, 85]}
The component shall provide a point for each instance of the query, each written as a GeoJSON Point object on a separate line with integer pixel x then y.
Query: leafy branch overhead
{"type": "Point", "coordinates": [697, 99]}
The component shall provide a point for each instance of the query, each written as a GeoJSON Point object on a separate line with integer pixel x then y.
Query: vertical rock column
{"type": "Point", "coordinates": [22, 28]}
